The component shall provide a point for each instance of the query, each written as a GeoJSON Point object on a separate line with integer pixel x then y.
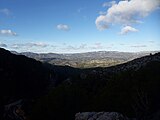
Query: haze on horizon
{"type": "Point", "coordinates": [74, 26]}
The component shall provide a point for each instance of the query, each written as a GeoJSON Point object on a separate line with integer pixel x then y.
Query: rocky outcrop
{"type": "Point", "coordinates": [100, 116]}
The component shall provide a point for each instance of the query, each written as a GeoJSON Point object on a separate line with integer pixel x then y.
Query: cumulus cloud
{"type": "Point", "coordinates": [126, 12]}
{"type": "Point", "coordinates": [5, 11]}
{"type": "Point", "coordinates": [7, 33]}
{"type": "Point", "coordinates": [127, 29]}
{"type": "Point", "coordinates": [63, 27]}
{"type": "Point", "coordinates": [3, 45]}
{"type": "Point", "coordinates": [108, 4]}
{"type": "Point", "coordinates": [101, 23]}
{"type": "Point", "coordinates": [102, 13]}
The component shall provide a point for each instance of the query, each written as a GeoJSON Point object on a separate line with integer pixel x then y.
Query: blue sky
{"type": "Point", "coordinates": [71, 26]}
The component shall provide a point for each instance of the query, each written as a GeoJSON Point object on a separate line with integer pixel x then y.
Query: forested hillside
{"type": "Point", "coordinates": [132, 92]}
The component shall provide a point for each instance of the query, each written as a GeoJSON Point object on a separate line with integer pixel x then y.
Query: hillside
{"type": "Point", "coordinates": [21, 78]}
{"type": "Point", "coordinates": [131, 89]}
{"type": "Point", "coordinates": [43, 91]}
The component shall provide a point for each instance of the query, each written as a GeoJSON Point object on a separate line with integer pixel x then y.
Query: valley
{"type": "Point", "coordinates": [38, 90]}
{"type": "Point", "coordinates": [88, 59]}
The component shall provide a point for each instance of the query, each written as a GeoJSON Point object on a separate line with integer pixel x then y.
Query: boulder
{"type": "Point", "coordinates": [100, 116]}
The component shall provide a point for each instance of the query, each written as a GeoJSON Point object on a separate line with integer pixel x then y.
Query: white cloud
{"type": "Point", "coordinates": [80, 10]}
{"type": "Point", "coordinates": [80, 47]}
{"type": "Point", "coordinates": [139, 46]}
{"type": "Point", "coordinates": [108, 4]}
{"type": "Point", "coordinates": [102, 13]}
{"type": "Point", "coordinates": [126, 12]}
{"type": "Point", "coordinates": [16, 46]}
{"type": "Point", "coordinates": [101, 23]}
{"type": "Point", "coordinates": [97, 46]}
{"type": "Point", "coordinates": [63, 27]}
{"type": "Point", "coordinates": [37, 44]}
{"type": "Point", "coordinates": [5, 11]}
{"type": "Point", "coordinates": [7, 33]}
{"type": "Point", "coordinates": [84, 47]}
{"type": "Point", "coordinates": [3, 45]}
{"type": "Point", "coordinates": [127, 29]}
{"type": "Point", "coordinates": [30, 45]}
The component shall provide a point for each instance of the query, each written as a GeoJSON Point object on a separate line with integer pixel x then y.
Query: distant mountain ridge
{"type": "Point", "coordinates": [88, 59]}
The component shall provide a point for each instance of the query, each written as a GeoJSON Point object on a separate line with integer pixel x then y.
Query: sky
{"type": "Point", "coordinates": [74, 26]}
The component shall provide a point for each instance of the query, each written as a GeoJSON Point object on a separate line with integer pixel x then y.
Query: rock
{"type": "Point", "coordinates": [100, 116]}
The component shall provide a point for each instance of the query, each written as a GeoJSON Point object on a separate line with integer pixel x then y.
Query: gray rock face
{"type": "Point", "coordinates": [100, 116]}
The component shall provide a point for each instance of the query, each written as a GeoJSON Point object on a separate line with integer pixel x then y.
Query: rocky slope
{"type": "Point", "coordinates": [100, 116]}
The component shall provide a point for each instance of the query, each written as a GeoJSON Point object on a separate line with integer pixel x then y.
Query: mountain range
{"type": "Point", "coordinates": [88, 59]}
